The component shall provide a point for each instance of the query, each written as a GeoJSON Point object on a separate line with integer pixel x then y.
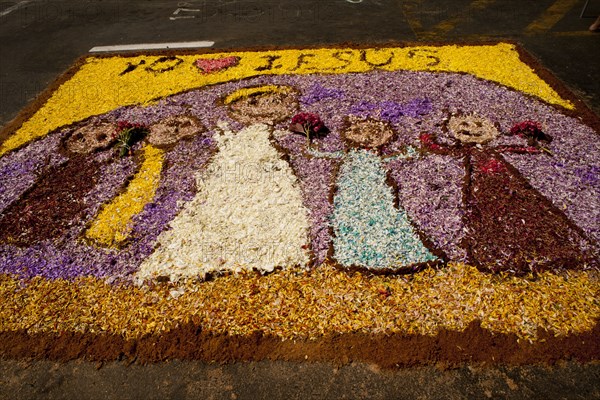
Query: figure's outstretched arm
{"type": "Point", "coordinates": [430, 144]}
{"type": "Point", "coordinates": [522, 150]}
{"type": "Point", "coordinates": [406, 153]}
{"type": "Point", "coordinates": [335, 155]}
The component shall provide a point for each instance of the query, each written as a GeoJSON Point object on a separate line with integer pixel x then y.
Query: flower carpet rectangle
{"type": "Point", "coordinates": [401, 205]}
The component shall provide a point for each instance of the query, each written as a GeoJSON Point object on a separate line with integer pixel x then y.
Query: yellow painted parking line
{"type": "Point", "coordinates": [410, 9]}
{"type": "Point", "coordinates": [499, 37]}
{"type": "Point", "coordinates": [574, 33]}
{"type": "Point", "coordinates": [551, 16]}
{"type": "Point", "coordinates": [464, 15]}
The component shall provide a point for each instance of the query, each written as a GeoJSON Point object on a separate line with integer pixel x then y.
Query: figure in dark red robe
{"type": "Point", "coordinates": [510, 226]}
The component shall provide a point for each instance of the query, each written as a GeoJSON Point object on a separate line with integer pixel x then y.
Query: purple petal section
{"type": "Point", "coordinates": [414, 102]}
{"type": "Point", "coordinates": [568, 177]}
{"type": "Point", "coordinates": [19, 170]}
{"type": "Point", "coordinates": [430, 190]}
{"type": "Point", "coordinates": [316, 176]}
{"type": "Point", "coordinates": [319, 92]}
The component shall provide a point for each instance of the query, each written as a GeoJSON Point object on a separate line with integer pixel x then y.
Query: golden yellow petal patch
{"type": "Point", "coordinates": [112, 224]}
{"type": "Point", "coordinates": [292, 304]}
{"type": "Point", "coordinates": [246, 92]}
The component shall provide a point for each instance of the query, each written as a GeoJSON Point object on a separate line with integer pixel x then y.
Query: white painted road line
{"type": "Point", "coordinates": [15, 7]}
{"type": "Point", "coordinates": [152, 46]}
{"type": "Point", "coordinates": [177, 16]}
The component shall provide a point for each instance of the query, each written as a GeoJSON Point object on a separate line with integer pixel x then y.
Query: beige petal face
{"type": "Point", "coordinates": [367, 133]}
{"type": "Point", "coordinates": [91, 137]}
{"type": "Point", "coordinates": [267, 108]}
{"type": "Point", "coordinates": [172, 129]}
{"type": "Point", "coordinates": [472, 129]}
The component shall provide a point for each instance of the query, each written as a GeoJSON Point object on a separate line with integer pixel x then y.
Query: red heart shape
{"type": "Point", "coordinates": [210, 65]}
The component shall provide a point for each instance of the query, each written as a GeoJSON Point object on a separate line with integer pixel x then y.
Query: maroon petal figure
{"type": "Point", "coordinates": [512, 227]}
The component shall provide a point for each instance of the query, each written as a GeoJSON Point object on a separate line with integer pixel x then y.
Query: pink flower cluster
{"type": "Point", "coordinates": [210, 65]}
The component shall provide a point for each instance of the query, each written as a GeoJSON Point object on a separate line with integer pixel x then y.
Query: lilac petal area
{"type": "Point", "coordinates": [291, 143]}
{"type": "Point", "coordinates": [364, 109]}
{"type": "Point", "coordinates": [412, 101]}
{"type": "Point", "coordinates": [417, 107]}
{"type": "Point", "coordinates": [568, 177]}
{"type": "Point", "coordinates": [392, 111]}
{"type": "Point", "coordinates": [589, 175]}
{"type": "Point", "coordinates": [430, 190]}
{"type": "Point", "coordinates": [149, 115]}
{"type": "Point", "coordinates": [178, 185]}
{"type": "Point", "coordinates": [19, 170]}
{"type": "Point", "coordinates": [316, 176]}
{"type": "Point", "coordinates": [50, 261]}
{"type": "Point", "coordinates": [316, 180]}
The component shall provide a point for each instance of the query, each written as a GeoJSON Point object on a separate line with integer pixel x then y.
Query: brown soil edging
{"type": "Point", "coordinates": [448, 349]}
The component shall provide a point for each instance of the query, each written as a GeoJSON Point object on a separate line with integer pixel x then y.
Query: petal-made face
{"type": "Point", "coordinates": [267, 108]}
{"type": "Point", "coordinates": [472, 129]}
{"type": "Point", "coordinates": [90, 137]}
{"type": "Point", "coordinates": [172, 129]}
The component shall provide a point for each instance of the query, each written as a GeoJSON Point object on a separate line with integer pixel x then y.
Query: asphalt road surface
{"type": "Point", "coordinates": [39, 39]}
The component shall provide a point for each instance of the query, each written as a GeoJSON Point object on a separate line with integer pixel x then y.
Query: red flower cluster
{"type": "Point", "coordinates": [127, 134]}
{"type": "Point", "coordinates": [126, 125]}
{"type": "Point", "coordinates": [310, 123]}
{"type": "Point", "coordinates": [530, 129]}
{"type": "Point", "coordinates": [428, 141]}
{"type": "Point", "coordinates": [492, 166]}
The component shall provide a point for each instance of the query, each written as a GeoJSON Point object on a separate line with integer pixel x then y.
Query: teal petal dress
{"type": "Point", "coordinates": [369, 231]}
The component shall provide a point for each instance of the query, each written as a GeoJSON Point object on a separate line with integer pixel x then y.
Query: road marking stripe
{"type": "Point", "coordinates": [573, 33]}
{"type": "Point", "coordinates": [551, 16]}
{"type": "Point", "coordinates": [15, 7]}
{"type": "Point", "coordinates": [411, 9]}
{"type": "Point", "coordinates": [152, 46]}
{"type": "Point", "coordinates": [464, 15]}
{"type": "Point", "coordinates": [500, 37]}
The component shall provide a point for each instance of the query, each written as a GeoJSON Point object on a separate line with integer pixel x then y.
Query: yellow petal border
{"type": "Point", "coordinates": [104, 83]}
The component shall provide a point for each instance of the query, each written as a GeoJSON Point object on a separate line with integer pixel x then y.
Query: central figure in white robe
{"type": "Point", "coordinates": [247, 214]}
